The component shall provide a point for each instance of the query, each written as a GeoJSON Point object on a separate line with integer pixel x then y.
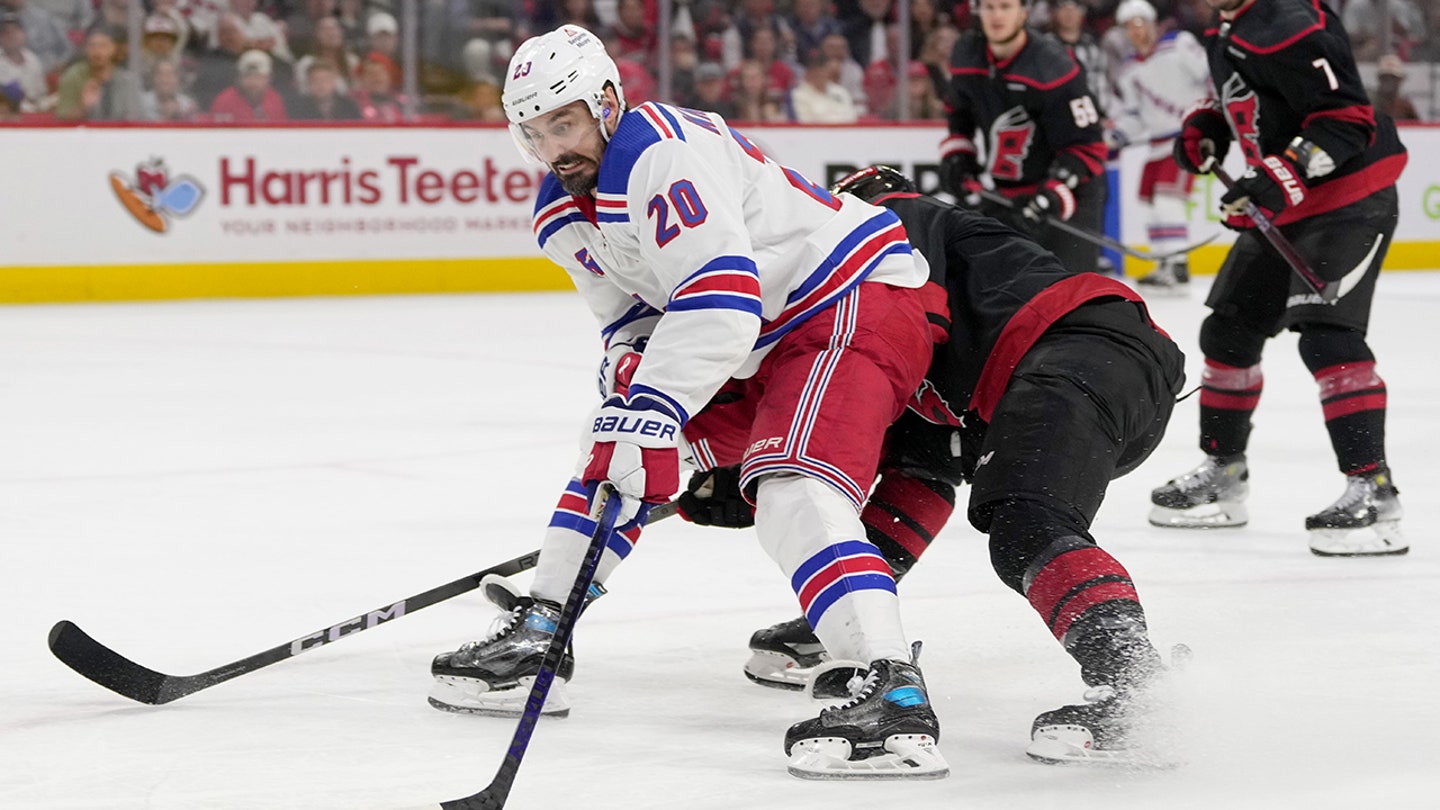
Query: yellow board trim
{"type": "Point", "coordinates": [33, 285]}
{"type": "Point", "coordinates": [1207, 260]}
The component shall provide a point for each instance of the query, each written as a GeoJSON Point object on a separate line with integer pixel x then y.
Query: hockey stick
{"type": "Point", "coordinates": [1327, 292]}
{"type": "Point", "coordinates": [494, 795]}
{"type": "Point", "coordinates": [82, 653]}
{"type": "Point", "coordinates": [1098, 238]}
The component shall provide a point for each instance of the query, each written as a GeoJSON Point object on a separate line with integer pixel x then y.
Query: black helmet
{"type": "Point", "coordinates": [873, 182]}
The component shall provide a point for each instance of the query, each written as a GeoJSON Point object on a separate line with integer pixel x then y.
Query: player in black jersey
{"type": "Point", "coordinates": [1322, 166]}
{"type": "Point", "coordinates": [1052, 382]}
{"type": "Point", "coordinates": [1029, 100]}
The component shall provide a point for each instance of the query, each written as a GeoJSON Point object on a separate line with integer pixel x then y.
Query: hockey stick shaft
{"type": "Point", "coordinates": [494, 795]}
{"type": "Point", "coordinates": [93, 660]}
{"type": "Point", "coordinates": [1094, 238]}
{"type": "Point", "coordinates": [1278, 241]}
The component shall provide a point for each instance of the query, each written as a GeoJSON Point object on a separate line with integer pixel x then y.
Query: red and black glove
{"type": "Point", "coordinates": [1054, 198]}
{"type": "Point", "coordinates": [1274, 185]}
{"type": "Point", "coordinates": [1204, 137]}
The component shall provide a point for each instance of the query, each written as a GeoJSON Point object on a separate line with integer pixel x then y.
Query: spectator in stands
{"type": "Point", "coordinates": [160, 40]}
{"type": "Point", "coordinates": [262, 32]}
{"type": "Point", "coordinates": [75, 16]}
{"type": "Point", "coordinates": [351, 14]}
{"type": "Point", "coordinates": [216, 69]}
{"type": "Point", "coordinates": [300, 23]}
{"type": "Point", "coordinates": [925, 19]}
{"type": "Point", "coordinates": [164, 101]}
{"type": "Point", "coordinates": [811, 23]}
{"type": "Point", "coordinates": [97, 88]}
{"type": "Point", "coordinates": [818, 98]}
{"type": "Point", "coordinates": [578, 12]}
{"type": "Point", "coordinates": [485, 27]}
{"type": "Point", "coordinates": [935, 56]}
{"type": "Point", "coordinates": [684, 59]}
{"type": "Point", "coordinates": [1362, 19]}
{"type": "Point", "coordinates": [11, 97]}
{"type": "Point", "coordinates": [633, 37]}
{"type": "Point", "coordinates": [709, 92]}
{"type": "Point", "coordinates": [919, 92]}
{"type": "Point", "coordinates": [169, 9]}
{"type": "Point", "coordinates": [20, 67]}
{"type": "Point", "coordinates": [44, 34]}
{"type": "Point", "coordinates": [754, 103]}
{"type": "Point", "coordinates": [382, 34]}
{"type": "Point", "coordinates": [251, 99]}
{"type": "Point", "coordinates": [868, 32]}
{"type": "Point", "coordinates": [852, 76]}
{"type": "Point", "coordinates": [376, 95]}
{"type": "Point", "coordinates": [330, 45]}
{"type": "Point", "coordinates": [202, 17]}
{"type": "Point", "coordinates": [480, 101]}
{"type": "Point", "coordinates": [1067, 24]}
{"type": "Point", "coordinates": [1429, 50]}
{"type": "Point", "coordinates": [738, 37]}
{"type": "Point", "coordinates": [880, 88]}
{"type": "Point", "coordinates": [1388, 96]}
{"type": "Point", "coordinates": [323, 99]}
{"type": "Point", "coordinates": [764, 50]}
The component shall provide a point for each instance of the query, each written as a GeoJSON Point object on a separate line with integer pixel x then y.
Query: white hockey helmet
{"type": "Point", "coordinates": [1134, 9]}
{"type": "Point", "coordinates": [552, 70]}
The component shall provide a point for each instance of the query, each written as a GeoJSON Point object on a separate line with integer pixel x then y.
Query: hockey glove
{"type": "Point", "coordinates": [1273, 186]}
{"type": "Point", "coordinates": [959, 169]}
{"type": "Point", "coordinates": [1204, 137]}
{"type": "Point", "coordinates": [636, 448]}
{"type": "Point", "coordinates": [1053, 199]}
{"type": "Point", "coordinates": [618, 367]}
{"type": "Point", "coordinates": [713, 498]}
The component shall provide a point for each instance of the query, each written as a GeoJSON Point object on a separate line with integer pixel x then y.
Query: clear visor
{"type": "Point", "coordinates": [549, 136]}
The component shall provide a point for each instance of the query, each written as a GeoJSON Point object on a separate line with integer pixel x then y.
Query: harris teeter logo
{"type": "Point", "coordinates": [153, 197]}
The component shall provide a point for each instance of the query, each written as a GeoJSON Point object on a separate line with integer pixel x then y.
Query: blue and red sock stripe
{"type": "Point", "coordinates": [837, 570]}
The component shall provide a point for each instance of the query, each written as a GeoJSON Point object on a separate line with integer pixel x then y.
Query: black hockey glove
{"type": "Point", "coordinates": [1204, 137]}
{"type": "Point", "coordinates": [1053, 199]}
{"type": "Point", "coordinates": [958, 172]}
{"type": "Point", "coordinates": [1274, 185]}
{"type": "Point", "coordinates": [713, 498]}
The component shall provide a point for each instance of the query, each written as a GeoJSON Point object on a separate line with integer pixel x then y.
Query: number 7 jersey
{"type": "Point", "coordinates": [699, 240]}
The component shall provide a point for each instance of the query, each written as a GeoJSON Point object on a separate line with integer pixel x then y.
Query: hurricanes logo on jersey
{"type": "Point", "coordinates": [1243, 110]}
{"type": "Point", "coordinates": [1010, 138]}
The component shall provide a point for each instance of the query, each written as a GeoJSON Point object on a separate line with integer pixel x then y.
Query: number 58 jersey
{"type": "Point", "coordinates": [698, 240]}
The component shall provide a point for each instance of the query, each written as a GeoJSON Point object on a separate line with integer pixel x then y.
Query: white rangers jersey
{"type": "Point", "coordinates": [1156, 91]}
{"type": "Point", "coordinates": [698, 239]}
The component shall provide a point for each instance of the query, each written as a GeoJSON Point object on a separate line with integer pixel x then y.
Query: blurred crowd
{"type": "Point", "coordinates": [806, 61]}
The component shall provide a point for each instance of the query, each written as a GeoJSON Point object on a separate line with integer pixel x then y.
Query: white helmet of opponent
{"type": "Point", "coordinates": [1134, 9]}
{"type": "Point", "coordinates": [549, 71]}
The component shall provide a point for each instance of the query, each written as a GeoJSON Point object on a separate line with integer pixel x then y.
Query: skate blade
{"type": "Point", "coordinates": [468, 696]}
{"type": "Point", "coordinates": [1218, 515]}
{"type": "Point", "coordinates": [1381, 540]}
{"type": "Point", "coordinates": [907, 756]}
{"type": "Point", "coordinates": [776, 670]}
{"type": "Point", "coordinates": [1073, 745]}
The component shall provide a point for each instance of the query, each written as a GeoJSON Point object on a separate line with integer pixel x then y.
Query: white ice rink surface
{"type": "Point", "coordinates": [196, 482]}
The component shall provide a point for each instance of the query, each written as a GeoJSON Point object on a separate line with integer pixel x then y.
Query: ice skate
{"type": "Point", "coordinates": [1364, 522]}
{"type": "Point", "coordinates": [1210, 496]}
{"type": "Point", "coordinates": [887, 730]}
{"type": "Point", "coordinates": [784, 655]}
{"type": "Point", "coordinates": [1171, 277]}
{"type": "Point", "coordinates": [493, 676]}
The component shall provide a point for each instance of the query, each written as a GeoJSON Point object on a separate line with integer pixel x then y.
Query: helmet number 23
{"type": "Point", "coordinates": [685, 201]}
{"type": "Point", "coordinates": [521, 71]}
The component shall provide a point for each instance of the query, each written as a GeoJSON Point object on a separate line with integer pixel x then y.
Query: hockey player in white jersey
{"type": "Point", "coordinates": [1167, 76]}
{"type": "Point", "coordinates": [711, 269]}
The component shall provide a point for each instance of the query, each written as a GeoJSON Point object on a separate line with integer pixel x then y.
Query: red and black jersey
{"type": "Point", "coordinates": [1034, 111]}
{"type": "Point", "coordinates": [1284, 68]}
{"type": "Point", "coordinates": [995, 293]}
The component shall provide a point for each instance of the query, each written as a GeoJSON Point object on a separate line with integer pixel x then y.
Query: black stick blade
{"type": "Point", "coordinates": [483, 800]}
{"type": "Point", "coordinates": [77, 650]}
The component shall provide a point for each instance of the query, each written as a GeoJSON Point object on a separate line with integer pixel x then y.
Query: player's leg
{"type": "Point", "coordinates": [831, 389]}
{"type": "Point", "coordinates": [1365, 520]}
{"type": "Point", "coordinates": [1165, 189]}
{"type": "Point", "coordinates": [1247, 302]}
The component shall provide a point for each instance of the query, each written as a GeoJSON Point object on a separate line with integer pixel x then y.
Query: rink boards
{"type": "Point", "coordinates": [133, 213]}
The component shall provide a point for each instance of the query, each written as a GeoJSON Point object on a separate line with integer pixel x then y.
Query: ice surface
{"type": "Point", "coordinates": [196, 482]}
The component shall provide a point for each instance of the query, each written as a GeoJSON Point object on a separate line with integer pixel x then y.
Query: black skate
{"type": "Point", "coordinates": [1171, 277]}
{"type": "Point", "coordinates": [493, 676]}
{"type": "Point", "coordinates": [1210, 496]}
{"type": "Point", "coordinates": [1364, 522]}
{"type": "Point", "coordinates": [887, 730]}
{"type": "Point", "coordinates": [784, 655]}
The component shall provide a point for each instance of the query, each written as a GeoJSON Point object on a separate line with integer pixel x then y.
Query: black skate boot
{"type": "Point", "coordinates": [1364, 522]}
{"type": "Point", "coordinates": [1171, 277]}
{"type": "Point", "coordinates": [1122, 719]}
{"type": "Point", "coordinates": [784, 655]}
{"type": "Point", "coordinates": [887, 730]}
{"type": "Point", "coordinates": [493, 676]}
{"type": "Point", "coordinates": [1210, 496]}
